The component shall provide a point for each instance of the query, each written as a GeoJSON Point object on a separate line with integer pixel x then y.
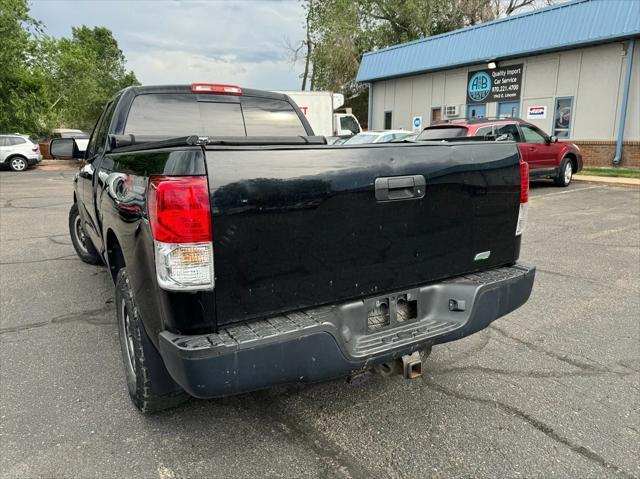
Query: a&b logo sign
{"type": "Point", "coordinates": [479, 86]}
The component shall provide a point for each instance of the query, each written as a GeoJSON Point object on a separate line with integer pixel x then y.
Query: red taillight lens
{"type": "Point", "coordinates": [216, 88]}
{"type": "Point", "coordinates": [524, 181]}
{"type": "Point", "coordinates": [35, 149]}
{"type": "Point", "coordinates": [179, 210]}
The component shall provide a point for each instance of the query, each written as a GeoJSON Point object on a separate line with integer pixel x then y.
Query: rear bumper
{"type": "Point", "coordinates": [333, 341]}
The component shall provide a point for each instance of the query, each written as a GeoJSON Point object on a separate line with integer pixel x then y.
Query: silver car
{"type": "Point", "coordinates": [18, 152]}
{"type": "Point", "coordinates": [377, 136]}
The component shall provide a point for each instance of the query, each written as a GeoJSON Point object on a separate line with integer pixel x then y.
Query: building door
{"type": "Point", "coordinates": [387, 120]}
{"type": "Point", "coordinates": [477, 111]}
{"type": "Point", "coordinates": [436, 115]}
{"type": "Point", "coordinates": [509, 109]}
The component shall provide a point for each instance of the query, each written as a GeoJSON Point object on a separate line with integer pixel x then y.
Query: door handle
{"type": "Point", "coordinates": [532, 148]}
{"type": "Point", "coordinates": [394, 188]}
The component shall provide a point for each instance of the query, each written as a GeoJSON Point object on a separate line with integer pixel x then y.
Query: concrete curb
{"type": "Point", "coordinates": [59, 162]}
{"type": "Point", "coordinates": [59, 165]}
{"type": "Point", "coordinates": [611, 181]}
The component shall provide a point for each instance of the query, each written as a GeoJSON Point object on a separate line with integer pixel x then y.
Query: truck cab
{"type": "Point", "coordinates": [325, 113]}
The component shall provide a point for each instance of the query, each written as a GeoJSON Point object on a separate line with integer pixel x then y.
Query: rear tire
{"type": "Point", "coordinates": [18, 163]}
{"type": "Point", "coordinates": [81, 242]}
{"type": "Point", "coordinates": [150, 386]}
{"type": "Point", "coordinates": [565, 173]}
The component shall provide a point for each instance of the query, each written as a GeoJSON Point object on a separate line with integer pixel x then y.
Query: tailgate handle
{"type": "Point", "coordinates": [393, 188]}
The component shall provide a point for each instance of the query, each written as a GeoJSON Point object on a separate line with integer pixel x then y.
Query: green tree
{"type": "Point", "coordinates": [46, 82]}
{"type": "Point", "coordinates": [85, 72]}
{"type": "Point", "coordinates": [340, 31]}
{"type": "Point", "coordinates": [20, 91]}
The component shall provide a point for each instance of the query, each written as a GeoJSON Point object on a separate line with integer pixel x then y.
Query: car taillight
{"type": "Point", "coordinates": [524, 197]}
{"type": "Point", "coordinates": [180, 220]}
{"type": "Point", "coordinates": [35, 149]}
{"type": "Point", "coordinates": [216, 88]}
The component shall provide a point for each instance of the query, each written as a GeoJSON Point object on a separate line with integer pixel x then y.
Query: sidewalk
{"type": "Point", "coordinates": [608, 180]}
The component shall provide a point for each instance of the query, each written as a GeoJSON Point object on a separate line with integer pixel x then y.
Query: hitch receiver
{"type": "Point", "coordinates": [412, 365]}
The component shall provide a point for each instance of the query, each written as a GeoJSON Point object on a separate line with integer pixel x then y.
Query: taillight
{"type": "Point", "coordinates": [35, 149]}
{"type": "Point", "coordinates": [180, 220]}
{"type": "Point", "coordinates": [524, 181]}
{"type": "Point", "coordinates": [216, 88]}
{"type": "Point", "coordinates": [524, 197]}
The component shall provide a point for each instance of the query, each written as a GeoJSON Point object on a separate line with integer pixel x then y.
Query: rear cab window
{"type": "Point", "coordinates": [185, 114]}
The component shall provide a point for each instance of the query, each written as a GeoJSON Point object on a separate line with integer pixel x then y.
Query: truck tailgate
{"type": "Point", "coordinates": [302, 226]}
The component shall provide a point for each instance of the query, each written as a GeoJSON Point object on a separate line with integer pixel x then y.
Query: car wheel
{"type": "Point", "coordinates": [81, 242]}
{"type": "Point", "coordinates": [565, 173]}
{"type": "Point", "coordinates": [18, 163]}
{"type": "Point", "coordinates": [150, 386]}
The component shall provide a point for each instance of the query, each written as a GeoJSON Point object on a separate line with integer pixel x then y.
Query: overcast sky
{"type": "Point", "coordinates": [186, 41]}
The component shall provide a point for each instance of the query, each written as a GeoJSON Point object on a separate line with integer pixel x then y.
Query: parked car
{"type": "Point", "coordinates": [246, 253]}
{"type": "Point", "coordinates": [377, 136]}
{"type": "Point", "coordinates": [546, 156]}
{"type": "Point", "coordinates": [18, 152]}
{"type": "Point", "coordinates": [409, 137]}
{"type": "Point", "coordinates": [336, 140]}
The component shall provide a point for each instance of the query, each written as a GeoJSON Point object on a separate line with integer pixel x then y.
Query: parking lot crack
{"type": "Point", "coordinates": [537, 424]}
{"type": "Point", "coordinates": [557, 356]}
{"type": "Point", "coordinates": [580, 278]}
{"type": "Point", "coordinates": [525, 374]}
{"type": "Point", "coordinates": [57, 258]}
{"type": "Point", "coordinates": [339, 461]}
{"type": "Point", "coordinates": [92, 316]}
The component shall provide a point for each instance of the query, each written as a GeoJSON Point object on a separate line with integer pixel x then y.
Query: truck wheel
{"type": "Point", "coordinates": [18, 163]}
{"type": "Point", "coordinates": [81, 242]}
{"type": "Point", "coordinates": [150, 386]}
{"type": "Point", "coordinates": [565, 173]}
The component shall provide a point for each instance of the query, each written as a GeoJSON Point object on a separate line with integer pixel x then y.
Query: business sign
{"type": "Point", "coordinates": [536, 113]}
{"type": "Point", "coordinates": [499, 84]}
{"type": "Point", "coordinates": [417, 123]}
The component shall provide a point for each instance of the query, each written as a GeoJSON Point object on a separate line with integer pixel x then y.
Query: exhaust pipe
{"type": "Point", "coordinates": [412, 365]}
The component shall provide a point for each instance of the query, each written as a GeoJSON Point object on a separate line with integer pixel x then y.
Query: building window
{"type": "Point", "coordinates": [476, 110]}
{"type": "Point", "coordinates": [562, 117]}
{"type": "Point", "coordinates": [436, 115]}
{"type": "Point", "coordinates": [387, 120]}
{"type": "Point", "coordinates": [510, 109]}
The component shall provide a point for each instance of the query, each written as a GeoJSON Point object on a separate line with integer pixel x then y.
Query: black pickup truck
{"type": "Point", "coordinates": [247, 252]}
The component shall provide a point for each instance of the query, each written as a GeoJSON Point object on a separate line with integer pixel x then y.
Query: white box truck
{"type": "Point", "coordinates": [319, 107]}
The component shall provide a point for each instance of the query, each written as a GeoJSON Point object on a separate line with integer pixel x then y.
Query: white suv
{"type": "Point", "coordinates": [18, 152]}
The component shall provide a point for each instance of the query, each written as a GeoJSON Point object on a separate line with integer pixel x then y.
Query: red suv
{"type": "Point", "coordinates": [547, 157]}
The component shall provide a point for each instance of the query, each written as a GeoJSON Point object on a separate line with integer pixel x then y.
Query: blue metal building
{"type": "Point", "coordinates": [571, 69]}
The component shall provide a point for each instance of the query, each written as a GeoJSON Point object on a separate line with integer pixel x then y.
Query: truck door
{"type": "Point", "coordinates": [87, 177]}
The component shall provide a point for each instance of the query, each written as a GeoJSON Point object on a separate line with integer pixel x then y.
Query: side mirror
{"type": "Point", "coordinates": [65, 149]}
{"type": "Point", "coordinates": [553, 139]}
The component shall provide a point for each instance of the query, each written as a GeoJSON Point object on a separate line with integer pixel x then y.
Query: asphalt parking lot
{"type": "Point", "coordinates": [552, 390]}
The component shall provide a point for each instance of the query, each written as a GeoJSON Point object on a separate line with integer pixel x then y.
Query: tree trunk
{"type": "Point", "coordinates": [307, 60]}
